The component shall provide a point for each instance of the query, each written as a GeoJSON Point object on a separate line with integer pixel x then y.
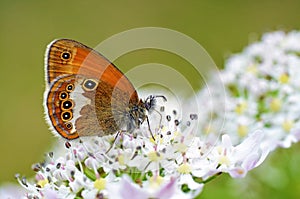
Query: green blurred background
{"type": "Point", "coordinates": [221, 27]}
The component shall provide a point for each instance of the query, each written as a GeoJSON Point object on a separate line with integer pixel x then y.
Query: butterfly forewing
{"type": "Point", "coordinates": [87, 94]}
{"type": "Point", "coordinates": [66, 56]}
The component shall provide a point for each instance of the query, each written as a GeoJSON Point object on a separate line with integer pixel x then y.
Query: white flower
{"type": "Point", "coordinates": [262, 85]}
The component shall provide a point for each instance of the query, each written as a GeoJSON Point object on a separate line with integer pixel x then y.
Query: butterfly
{"type": "Point", "coordinates": [87, 95]}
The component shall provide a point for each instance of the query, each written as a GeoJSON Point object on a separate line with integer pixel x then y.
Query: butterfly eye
{"type": "Point", "coordinates": [69, 125]}
{"type": "Point", "coordinates": [65, 56]}
{"type": "Point", "coordinates": [70, 87]}
{"type": "Point", "coordinates": [63, 95]}
{"type": "Point", "coordinates": [66, 116]}
{"type": "Point", "coordinates": [90, 84]}
{"type": "Point", "coordinates": [68, 104]}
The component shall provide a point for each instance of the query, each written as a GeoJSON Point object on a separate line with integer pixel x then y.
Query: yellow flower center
{"type": "Point", "coordinates": [156, 181]}
{"type": "Point", "coordinates": [224, 160]}
{"type": "Point", "coordinates": [242, 130]}
{"type": "Point", "coordinates": [287, 125]}
{"type": "Point", "coordinates": [181, 147]}
{"type": "Point", "coordinates": [42, 183]}
{"type": "Point", "coordinates": [241, 108]}
{"type": "Point", "coordinates": [252, 69]}
{"type": "Point", "coordinates": [184, 168]}
{"type": "Point", "coordinates": [121, 159]}
{"type": "Point", "coordinates": [152, 140]}
{"type": "Point", "coordinates": [284, 78]}
{"type": "Point", "coordinates": [100, 184]}
{"type": "Point", "coordinates": [154, 156]}
{"type": "Point", "coordinates": [275, 105]}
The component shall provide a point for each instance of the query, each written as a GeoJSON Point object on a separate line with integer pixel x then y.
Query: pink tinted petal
{"type": "Point", "coordinates": [237, 172]}
{"type": "Point", "coordinates": [11, 191]}
{"type": "Point", "coordinates": [50, 194]}
{"type": "Point", "coordinates": [249, 145]}
{"type": "Point", "coordinates": [264, 153]}
{"type": "Point", "coordinates": [39, 176]}
{"type": "Point", "coordinates": [251, 161]}
{"type": "Point", "coordinates": [168, 190]}
{"type": "Point", "coordinates": [296, 133]}
{"type": "Point", "coordinates": [129, 190]}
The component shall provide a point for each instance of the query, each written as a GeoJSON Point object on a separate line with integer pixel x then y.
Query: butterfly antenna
{"type": "Point", "coordinates": [152, 97]}
{"type": "Point", "coordinates": [160, 96]}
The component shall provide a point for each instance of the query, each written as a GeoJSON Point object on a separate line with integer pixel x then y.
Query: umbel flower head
{"type": "Point", "coordinates": [262, 85]}
{"type": "Point", "coordinates": [175, 165]}
{"type": "Point", "coordinates": [262, 111]}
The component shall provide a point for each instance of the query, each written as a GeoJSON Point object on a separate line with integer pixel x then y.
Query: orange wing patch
{"type": "Point", "coordinates": [71, 57]}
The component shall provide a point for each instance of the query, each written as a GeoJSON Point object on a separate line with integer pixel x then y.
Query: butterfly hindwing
{"type": "Point", "coordinates": [79, 106]}
{"type": "Point", "coordinates": [60, 116]}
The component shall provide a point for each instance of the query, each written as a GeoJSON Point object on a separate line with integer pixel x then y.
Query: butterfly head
{"type": "Point", "coordinates": [139, 113]}
{"type": "Point", "coordinates": [150, 102]}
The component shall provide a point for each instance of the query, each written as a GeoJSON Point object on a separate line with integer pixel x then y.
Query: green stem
{"type": "Point", "coordinates": [200, 181]}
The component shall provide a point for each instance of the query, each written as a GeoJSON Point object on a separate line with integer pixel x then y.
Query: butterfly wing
{"type": "Point", "coordinates": [87, 95]}
{"type": "Point", "coordinates": [68, 57]}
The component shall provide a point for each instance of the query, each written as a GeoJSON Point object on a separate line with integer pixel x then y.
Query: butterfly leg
{"type": "Point", "coordinates": [149, 128]}
{"type": "Point", "coordinates": [160, 115]}
{"type": "Point", "coordinates": [117, 135]}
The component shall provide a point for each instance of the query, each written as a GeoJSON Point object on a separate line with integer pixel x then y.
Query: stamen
{"type": "Point", "coordinates": [168, 117]}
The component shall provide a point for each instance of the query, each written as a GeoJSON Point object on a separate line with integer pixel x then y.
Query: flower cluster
{"type": "Point", "coordinates": [175, 165]}
{"type": "Point", "coordinates": [263, 92]}
{"type": "Point", "coordinates": [261, 112]}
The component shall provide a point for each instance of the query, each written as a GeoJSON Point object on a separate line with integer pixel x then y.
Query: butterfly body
{"type": "Point", "coordinates": [87, 95]}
